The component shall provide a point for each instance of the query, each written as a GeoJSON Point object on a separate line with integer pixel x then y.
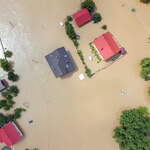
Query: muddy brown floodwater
{"type": "Point", "coordinates": [69, 114]}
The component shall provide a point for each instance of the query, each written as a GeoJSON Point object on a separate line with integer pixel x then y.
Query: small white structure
{"type": "Point", "coordinates": [61, 24]}
{"type": "Point", "coordinates": [81, 77]}
{"type": "Point", "coordinates": [90, 58]}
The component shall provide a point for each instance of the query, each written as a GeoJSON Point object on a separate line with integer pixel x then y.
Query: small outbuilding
{"type": "Point", "coordinates": [10, 134]}
{"type": "Point", "coordinates": [81, 17]}
{"type": "Point", "coordinates": [60, 62]}
{"type": "Point", "coordinates": [106, 46]}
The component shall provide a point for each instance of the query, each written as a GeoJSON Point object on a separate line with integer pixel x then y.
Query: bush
{"type": "Point", "coordinates": [12, 77]}
{"type": "Point", "coordinates": [96, 17]}
{"type": "Point", "coordinates": [69, 18]}
{"type": "Point", "coordinates": [4, 64]}
{"type": "Point", "coordinates": [7, 53]}
{"type": "Point", "coordinates": [104, 27]}
{"type": "Point", "coordinates": [145, 1]}
{"type": "Point", "coordinates": [88, 4]}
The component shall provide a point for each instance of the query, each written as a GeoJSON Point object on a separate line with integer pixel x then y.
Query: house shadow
{"type": "Point", "coordinates": [68, 75]}
{"type": "Point", "coordinates": [5, 83]}
{"type": "Point", "coordinates": [114, 57]}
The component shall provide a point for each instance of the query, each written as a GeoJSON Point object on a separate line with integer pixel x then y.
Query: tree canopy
{"type": "Point", "coordinates": [4, 64]}
{"type": "Point", "coordinates": [145, 64]}
{"type": "Point", "coordinates": [88, 4]}
{"type": "Point", "coordinates": [145, 1]}
{"type": "Point", "coordinates": [133, 130]}
{"type": "Point", "coordinates": [96, 17]}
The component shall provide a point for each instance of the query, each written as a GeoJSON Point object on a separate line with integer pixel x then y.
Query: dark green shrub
{"type": "Point", "coordinates": [6, 108]}
{"type": "Point", "coordinates": [3, 120]}
{"type": "Point", "coordinates": [10, 118]}
{"type": "Point", "coordinates": [4, 94]}
{"type": "Point", "coordinates": [7, 53]}
{"type": "Point", "coordinates": [13, 90]}
{"type": "Point", "coordinates": [88, 4]}
{"type": "Point", "coordinates": [147, 78]}
{"type": "Point", "coordinates": [69, 18]}
{"type": "Point", "coordinates": [12, 77]}
{"type": "Point", "coordinates": [70, 30]}
{"type": "Point", "coordinates": [96, 17]}
{"type": "Point", "coordinates": [4, 64]}
{"type": "Point", "coordinates": [3, 103]}
{"type": "Point", "coordinates": [10, 103]}
{"type": "Point", "coordinates": [104, 27]}
{"type": "Point", "coordinates": [17, 112]}
{"type": "Point", "coordinates": [145, 1]}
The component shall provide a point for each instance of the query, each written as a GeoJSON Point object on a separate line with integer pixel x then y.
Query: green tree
{"type": "Point", "coordinates": [133, 130]}
{"type": "Point", "coordinates": [145, 1]}
{"type": "Point", "coordinates": [13, 90]}
{"type": "Point", "coordinates": [70, 30]}
{"type": "Point", "coordinates": [145, 64]}
{"type": "Point", "coordinates": [6, 108]}
{"type": "Point", "coordinates": [4, 94]}
{"type": "Point", "coordinates": [4, 64]}
{"type": "Point", "coordinates": [10, 118]}
{"type": "Point", "coordinates": [12, 77]}
{"type": "Point", "coordinates": [17, 112]}
{"type": "Point", "coordinates": [69, 18]}
{"type": "Point", "coordinates": [149, 91]}
{"type": "Point", "coordinates": [3, 120]}
{"type": "Point", "coordinates": [3, 103]}
{"type": "Point", "coordinates": [7, 53]}
{"type": "Point", "coordinates": [96, 17]}
{"type": "Point", "coordinates": [88, 4]}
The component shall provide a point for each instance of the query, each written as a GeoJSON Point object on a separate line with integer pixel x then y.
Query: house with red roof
{"type": "Point", "coordinates": [10, 134]}
{"type": "Point", "coordinates": [106, 46]}
{"type": "Point", "coordinates": [81, 17]}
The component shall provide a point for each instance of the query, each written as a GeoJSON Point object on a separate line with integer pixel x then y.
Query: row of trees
{"type": "Point", "coordinates": [72, 35]}
{"type": "Point", "coordinates": [134, 129]}
{"type": "Point", "coordinates": [144, 73]}
{"type": "Point", "coordinates": [87, 70]}
{"type": "Point", "coordinates": [7, 102]}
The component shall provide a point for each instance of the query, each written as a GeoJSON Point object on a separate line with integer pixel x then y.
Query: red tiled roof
{"type": "Point", "coordinates": [81, 17]}
{"type": "Point", "coordinates": [106, 46]}
{"type": "Point", "coordinates": [10, 134]}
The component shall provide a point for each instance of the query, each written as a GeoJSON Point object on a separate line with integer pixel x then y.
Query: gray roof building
{"type": "Point", "coordinates": [60, 62]}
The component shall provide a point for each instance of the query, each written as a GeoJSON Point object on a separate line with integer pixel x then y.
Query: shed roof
{"type": "Point", "coordinates": [10, 134]}
{"type": "Point", "coordinates": [81, 17]}
{"type": "Point", "coordinates": [106, 46]}
{"type": "Point", "coordinates": [60, 62]}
